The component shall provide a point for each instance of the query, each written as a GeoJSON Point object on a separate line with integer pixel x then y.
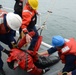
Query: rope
{"type": "Point", "coordinates": [44, 23]}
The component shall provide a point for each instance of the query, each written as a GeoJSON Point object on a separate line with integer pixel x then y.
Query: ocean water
{"type": "Point", "coordinates": [62, 20]}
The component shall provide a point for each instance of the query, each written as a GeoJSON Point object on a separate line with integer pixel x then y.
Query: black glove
{"type": "Point", "coordinates": [6, 51]}
{"type": "Point", "coordinates": [46, 70]}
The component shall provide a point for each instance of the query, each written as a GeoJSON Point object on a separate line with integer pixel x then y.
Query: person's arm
{"type": "Point", "coordinates": [43, 53]}
{"type": "Point", "coordinates": [11, 38]}
{"type": "Point", "coordinates": [70, 73]}
{"type": "Point", "coordinates": [73, 72]}
{"type": "Point", "coordinates": [26, 19]}
{"type": "Point", "coordinates": [64, 73]}
{"type": "Point", "coordinates": [49, 51]}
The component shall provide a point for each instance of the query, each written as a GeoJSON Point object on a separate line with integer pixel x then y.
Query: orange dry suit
{"type": "Point", "coordinates": [29, 19]}
{"type": "Point", "coordinates": [26, 59]}
{"type": "Point", "coordinates": [69, 48]}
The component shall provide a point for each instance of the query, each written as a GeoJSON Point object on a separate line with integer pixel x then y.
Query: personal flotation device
{"type": "Point", "coordinates": [69, 48]}
{"type": "Point", "coordinates": [3, 23]}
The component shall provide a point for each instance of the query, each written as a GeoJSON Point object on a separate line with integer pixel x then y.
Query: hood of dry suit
{"type": "Point", "coordinates": [16, 58]}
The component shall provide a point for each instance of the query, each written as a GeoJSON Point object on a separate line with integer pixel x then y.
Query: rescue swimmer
{"type": "Point", "coordinates": [29, 19]}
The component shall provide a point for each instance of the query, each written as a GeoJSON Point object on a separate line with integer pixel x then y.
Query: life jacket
{"type": "Point", "coordinates": [3, 24]}
{"type": "Point", "coordinates": [69, 48]}
{"type": "Point", "coordinates": [29, 18]}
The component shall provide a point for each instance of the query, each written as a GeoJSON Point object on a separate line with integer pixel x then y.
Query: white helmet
{"type": "Point", "coordinates": [14, 21]}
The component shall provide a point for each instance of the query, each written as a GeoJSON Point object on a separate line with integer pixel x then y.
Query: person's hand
{"type": "Point", "coordinates": [28, 38]}
{"type": "Point", "coordinates": [59, 73]}
{"type": "Point", "coordinates": [70, 73]}
{"type": "Point", "coordinates": [45, 53]}
{"type": "Point", "coordinates": [64, 73]}
{"type": "Point", "coordinates": [14, 45]}
{"type": "Point", "coordinates": [46, 70]}
{"type": "Point", "coordinates": [6, 51]}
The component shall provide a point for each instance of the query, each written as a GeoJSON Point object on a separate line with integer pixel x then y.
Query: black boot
{"type": "Point", "coordinates": [46, 70]}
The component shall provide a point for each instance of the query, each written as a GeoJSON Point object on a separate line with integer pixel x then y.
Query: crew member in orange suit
{"type": "Point", "coordinates": [67, 52]}
{"type": "Point", "coordinates": [9, 22]}
{"type": "Point", "coordinates": [29, 19]}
